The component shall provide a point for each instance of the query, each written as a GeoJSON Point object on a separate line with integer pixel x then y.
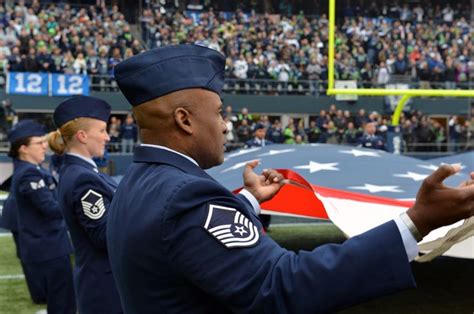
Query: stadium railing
{"type": "Point", "coordinates": [106, 83]}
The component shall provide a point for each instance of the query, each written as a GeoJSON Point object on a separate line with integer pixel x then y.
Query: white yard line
{"type": "Point", "coordinates": [12, 277]}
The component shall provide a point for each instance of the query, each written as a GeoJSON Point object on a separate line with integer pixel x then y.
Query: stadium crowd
{"type": "Point", "coordinates": [41, 37]}
{"type": "Point", "coordinates": [425, 44]}
{"type": "Point", "coordinates": [430, 44]}
{"type": "Point", "coordinates": [419, 132]}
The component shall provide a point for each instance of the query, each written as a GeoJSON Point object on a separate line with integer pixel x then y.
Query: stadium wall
{"type": "Point", "coordinates": [282, 104]}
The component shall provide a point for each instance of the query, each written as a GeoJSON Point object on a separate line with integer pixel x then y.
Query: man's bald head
{"type": "Point", "coordinates": [187, 121]}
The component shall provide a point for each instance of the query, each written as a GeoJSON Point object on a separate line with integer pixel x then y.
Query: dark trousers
{"type": "Point", "coordinates": [56, 276]}
{"type": "Point", "coordinates": [36, 288]}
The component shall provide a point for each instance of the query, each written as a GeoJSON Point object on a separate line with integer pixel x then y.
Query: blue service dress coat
{"type": "Point", "coordinates": [43, 240]}
{"type": "Point", "coordinates": [9, 219]}
{"type": "Point", "coordinates": [42, 233]}
{"type": "Point", "coordinates": [371, 141]}
{"type": "Point", "coordinates": [257, 143]}
{"type": "Point", "coordinates": [179, 242]}
{"type": "Point", "coordinates": [85, 195]}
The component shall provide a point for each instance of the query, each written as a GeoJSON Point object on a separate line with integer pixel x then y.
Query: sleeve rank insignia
{"type": "Point", "coordinates": [93, 205]}
{"type": "Point", "coordinates": [37, 185]}
{"type": "Point", "coordinates": [230, 227]}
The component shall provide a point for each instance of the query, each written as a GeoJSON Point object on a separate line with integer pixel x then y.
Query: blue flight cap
{"type": "Point", "coordinates": [258, 126]}
{"type": "Point", "coordinates": [81, 107]}
{"type": "Point", "coordinates": [24, 129]}
{"type": "Point", "coordinates": [164, 70]}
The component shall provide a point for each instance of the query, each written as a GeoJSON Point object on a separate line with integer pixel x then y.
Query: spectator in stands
{"type": "Point", "coordinates": [440, 136]}
{"type": "Point", "coordinates": [383, 74]}
{"type": "Point", "coordinates": [44, 59]}
{"type": "Point", "coordinates": [80, 64]}
{"type": "Point", "coordinates": [231, 134]}
{"type": "Point", "coordinates": [244, 131]}
{"type": "Point", "coordinates": [351, 134]}
{"type": "Point", "coordinates": [455, 131]}
{"type": "Point", "coordinates": [67, 64]}
{"type": "Point", "coordinates": [322, 121]}
{"type": "Point", "coordinates": [332, 135]}
{"type": "Point", "coordinates": [424, 136]}
{"type": "Point", "coordinates": [313, 133]}
{"type": "Point", "coordinates": [289, 133]}
{"type": "Point", "coordinates": [114, 133]}
{"type": "Point", "coordinates": [14, 61]}
{"type": "Point", "coordinates": [361, 119]}
{"type": "Point", "coordinates": [115, 59]}
{"type": "Point", "coordinates": [56, 61]}
{"type": "Point", "coordinates": [128, 134]}
{"type": "Point", "coordinates": [275, 132]}
{"type": "Point", "coordinates": [245, 115]}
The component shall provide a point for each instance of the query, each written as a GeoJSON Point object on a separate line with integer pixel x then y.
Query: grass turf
{"type": "Point", "coordinates": [14, 296]}
{"type": "Point", "coordinates": [445, 286]}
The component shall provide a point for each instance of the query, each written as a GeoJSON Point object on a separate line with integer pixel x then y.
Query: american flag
{"type": "Point", "coordinates": [367, 171]}
{"type": "Point", "coordinates": [356, 188]}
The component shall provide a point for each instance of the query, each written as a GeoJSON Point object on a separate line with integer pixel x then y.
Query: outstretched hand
{"type": "Point", "coordinates": [438, 205]}
{"type": "Point", "coordinates": [264, 186]}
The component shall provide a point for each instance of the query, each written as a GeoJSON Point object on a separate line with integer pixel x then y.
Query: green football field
{"type": "Point", "coordinates": [445, 285]}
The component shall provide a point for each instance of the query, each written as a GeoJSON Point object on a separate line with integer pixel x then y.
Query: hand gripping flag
{"type": "Point", "coordinates": [325, 181]}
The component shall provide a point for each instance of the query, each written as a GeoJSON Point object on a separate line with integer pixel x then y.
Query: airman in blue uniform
{"type": "Point", "coordinates": [85, 195]}
{"type": "Point", "coordinates": [42, 234]}
{"type": "Point", "coordinates": [259, 141]}
{"type": "Point", "coordinates": [179, 242]}
{"type": "Point", "coordinates": [369, 139]}
{"type": "Point", "coordinates": [9, 221]}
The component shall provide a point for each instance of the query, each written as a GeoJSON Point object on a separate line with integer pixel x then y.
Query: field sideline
{"type": "Point", "coordinates": [444, 286]}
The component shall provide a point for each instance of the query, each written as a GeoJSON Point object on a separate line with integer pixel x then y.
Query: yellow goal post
{"type": "Point", "coordinates": [406, 93]}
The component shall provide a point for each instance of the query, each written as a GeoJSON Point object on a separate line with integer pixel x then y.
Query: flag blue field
{"type": "Point", "coordinates": [360, 170]}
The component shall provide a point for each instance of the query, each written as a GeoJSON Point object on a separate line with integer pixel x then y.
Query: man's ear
{"type": "Point", "coordinates": [182, 118]}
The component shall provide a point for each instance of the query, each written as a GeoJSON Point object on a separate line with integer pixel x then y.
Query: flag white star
{"type": "Point", "coordinates": [277, 152]}
{"type": "Point", "coordinates": [429, 167]}
{"type": "Point", "coordinates": [377, 188]}
{"type": "Point", "coordinates": [244, 151]}
{"type": "Point", "coordinates": [316, 166]}
{"type": "Point", "coordinates": [238, 165]}
{"type": "Point", "coordinates": [412, 175]}
{"type": "Point", "coordinates": [358, 153]}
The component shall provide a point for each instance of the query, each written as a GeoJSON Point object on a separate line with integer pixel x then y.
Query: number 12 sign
{"type": "Point", "coordinates": [42, 84]}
